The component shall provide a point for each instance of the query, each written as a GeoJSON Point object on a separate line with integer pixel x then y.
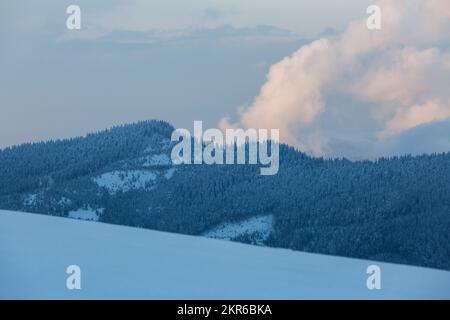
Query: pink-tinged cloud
{"type": "Point", "coordinates": [398, 74]}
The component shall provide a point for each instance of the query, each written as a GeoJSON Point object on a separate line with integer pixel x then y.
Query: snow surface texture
{"type": "Point", "coordinates": [128, 263]}
{"type": "Point", "coordinates": [126, 180]}
{"type": "Point", "coordinates": [258, 228]}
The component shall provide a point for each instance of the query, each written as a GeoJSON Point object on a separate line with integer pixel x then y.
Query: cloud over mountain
{"type": "Point", "coordinates": [398, 74]}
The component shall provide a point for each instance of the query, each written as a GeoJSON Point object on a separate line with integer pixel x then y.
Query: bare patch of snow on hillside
{"type": "Point", "coordinates": [86, 214]}
{"type": "Point", "coordinates": [30, 199]}
{"type": "Point", "coordinates": [157, 160]}
{"type": "Point", "coordinates": [64, 201]}
{"type": "Point", "coordinates": [169, 173]}
{"type": "Point", "coordinates": [257, 229]}
{"type": "Point", "coordinates": [124, 181]}
{"type": "Point", "coordinates": [163, 144]}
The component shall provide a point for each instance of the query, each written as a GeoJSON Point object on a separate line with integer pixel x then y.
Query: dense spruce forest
{"type": "Point", "coordinates": [395, 210]}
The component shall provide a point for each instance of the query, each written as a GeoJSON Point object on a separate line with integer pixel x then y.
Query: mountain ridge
{"type": "Point", "coordinates": [392, 209]}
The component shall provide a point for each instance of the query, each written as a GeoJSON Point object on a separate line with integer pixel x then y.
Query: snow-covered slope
{"type": "Point", "coordinates": [126, 180]}
{"type": "Point", "coordinates": [122, 262]}
{"type": "Point", "coordinates": [257, 229]}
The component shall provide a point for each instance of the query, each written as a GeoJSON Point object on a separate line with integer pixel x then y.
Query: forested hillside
{"type": "Point", "coordinates": [395, 210]}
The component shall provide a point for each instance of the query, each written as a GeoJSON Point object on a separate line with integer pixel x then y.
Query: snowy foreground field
{"type": "Point", "coordinates": [125, 263]}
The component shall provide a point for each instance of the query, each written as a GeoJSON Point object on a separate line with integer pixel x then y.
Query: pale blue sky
{"type": "Point", "coordinates": [182, 63]}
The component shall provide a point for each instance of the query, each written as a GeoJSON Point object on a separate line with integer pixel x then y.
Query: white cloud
{"type": "Point", "coordinates": [411, 117]}
{"type": "Point", "coordinates": [291, 95]}
{"type": "Point", "coordinates": [399, 74]}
